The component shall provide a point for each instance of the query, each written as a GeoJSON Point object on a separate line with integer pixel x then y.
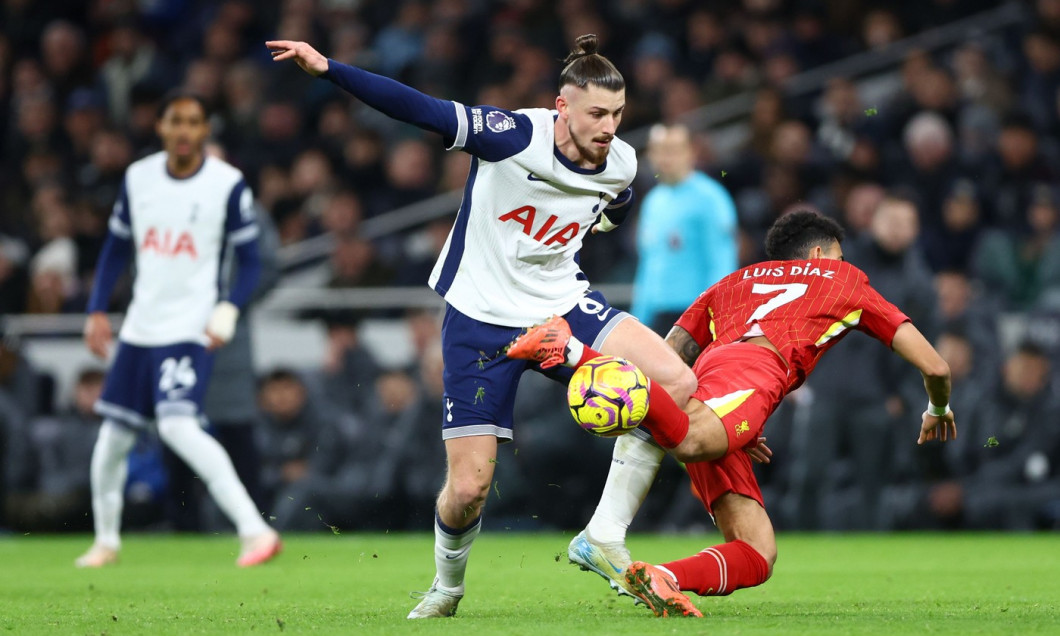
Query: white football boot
{"type": "Point", "coordinates": [435, 603]}
{"type": "Point", "coordinates": [608, 560]}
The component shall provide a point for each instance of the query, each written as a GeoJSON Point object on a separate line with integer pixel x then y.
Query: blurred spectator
{"type": "Point", "coordinates": [317, 464]}
{"type": "Point", "coordinates": [349, 370]}
{"type": "Point", "coordinates": [363, 160]}
{"type": "Point", "coordinates": [28, 391]}
{"type": "Point", "coordinates": [100, 178]}
{"type": "Point", "coordinates": [420, 252]}
{"type": "Point", "coordinates": [1019, 167]}
{"type": "Point", "coordinates": [400, 43]}
{"type": "Point", "coordinates": [1014, 451]}
{"type": "Point", "coordinates": [931, 167]}
{"type": "Point", "coordinates": [291, 223]}
{"type": "Point", "coordinates": [680, 98]}
{"type": "Point", "coordinates": [950, 245]}
{"type": "Point", "coordinates": [140, 124]}
{"type": "Point", "coordinates": [978, 81]}
{"type": "Point", "coordinates": [243, 95]}
{"type": "Point", "coordinates": [14, 280]}
{"type": "Point", "coordinates": [964, 306]}
{"type": "Point", "coordinates": [732, 73]}
{"type": "Point", "coordinates": [342, 213]}
{"type": "Point", "coordinates": [409, 469]}
{"type": "Point", "coordinates": [84, 117]}
{"type": "Point", "coordinates": [355, 263]}
{"type": "Point", "coordinates": [133, 60]}
{"type": "Point", "coordinates": [767, 114]}
{"type": "Point", "coordinates": [1018, 265]}
{"type": "Point", "coordinates": [54, 286]}
{"type": "Point", "coordinates": [48, 464]}
{"type": "Point", "coordinates": [64, 53]}
{"type": "Point", "coordinates": [410, 177]}
{"type": "Point", "coordinates": [880, 28]}
{"type": "Point", "coordinates": [859, 207]}
{"type": "Point", "coordinates": [686, 232]}
{"type": "Point", "coordinates": [704, 36]}
{"type": "Point", "coordinates": [1042, 79]}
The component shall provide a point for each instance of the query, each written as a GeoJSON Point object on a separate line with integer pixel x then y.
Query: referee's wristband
{"type": "Point", "coordinates": [937, 411]}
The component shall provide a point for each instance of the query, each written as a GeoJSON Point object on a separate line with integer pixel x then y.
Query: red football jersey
{"type": "Point", "coordinates": [803, 307]}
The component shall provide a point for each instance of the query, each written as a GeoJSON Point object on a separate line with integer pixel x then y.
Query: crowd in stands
{"type": "Point", "coordinates": [948, 189]}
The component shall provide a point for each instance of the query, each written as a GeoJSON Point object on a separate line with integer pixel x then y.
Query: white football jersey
{"type": "Point", "coordinates": [511, 257]}
{"type": "Point", "coordinates": [180, 229]}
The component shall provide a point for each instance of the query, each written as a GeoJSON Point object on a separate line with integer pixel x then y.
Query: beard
{"type": "Point", "coordinates": [590, 153]}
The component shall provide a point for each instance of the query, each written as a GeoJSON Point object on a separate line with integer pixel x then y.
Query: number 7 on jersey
{"type": "Point", "coordinates": [788, 293]}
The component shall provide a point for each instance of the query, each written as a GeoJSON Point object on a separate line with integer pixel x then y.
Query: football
{"type": "Point", "coordinates": [608, 396]}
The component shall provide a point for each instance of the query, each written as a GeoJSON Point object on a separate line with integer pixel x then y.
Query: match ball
{"type": "Point", "coordinates": [608, 396]}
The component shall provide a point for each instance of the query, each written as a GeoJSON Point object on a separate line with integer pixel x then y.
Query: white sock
{"type": "Point", "coordinates": [108, 471]}
{"type": "Point", "coordinates": [575, 350]}
{"type": "Point", "coordinates": [451, 550]}
{"type": "Point", "coordinates": [211, 463]}
{"type": "Point", "coordinates": [634, 464]}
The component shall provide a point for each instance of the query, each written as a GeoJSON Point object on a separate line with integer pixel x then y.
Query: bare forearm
{"type": "Point", "coordinates": [909, 343]}
{"type": "Point", "coordinates": [682, 342]}
{"type": "Point", "coordinates": [938, 389]}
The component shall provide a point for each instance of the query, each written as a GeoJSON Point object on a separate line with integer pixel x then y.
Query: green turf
{"type": "Point", "coordinates": [522, 584]}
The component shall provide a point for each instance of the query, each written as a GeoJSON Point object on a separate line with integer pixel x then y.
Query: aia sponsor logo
{"type": "Point", "coordinates": [169, 243]}
{"type": "Point", "coordinates": [545, 232]}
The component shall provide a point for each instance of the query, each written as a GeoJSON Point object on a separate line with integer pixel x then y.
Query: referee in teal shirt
{"type": "Point", "coordinates": [686, 232]}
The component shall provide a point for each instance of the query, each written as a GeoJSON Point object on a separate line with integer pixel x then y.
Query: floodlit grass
{"type": "Point", "coordinates": [522, 584]}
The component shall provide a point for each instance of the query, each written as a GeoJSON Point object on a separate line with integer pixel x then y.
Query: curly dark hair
{"type": "Point", "coordinates": [797, 231]}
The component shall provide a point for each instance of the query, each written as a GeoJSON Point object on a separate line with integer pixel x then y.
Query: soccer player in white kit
{"type": "Point", "coordinates": [181, 213]}
{"type": "Point", "coordinates": [539, 180]}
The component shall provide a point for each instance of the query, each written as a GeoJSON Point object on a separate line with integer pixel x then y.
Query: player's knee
{"type": "Point", "coordinates": [771, 559]}
{"type": "Point", "coordinates": [767, 549]}
{"type": "Point", "coordinates": [466, 492]}
{"type": "Point", "coordinates": [172, 429]}
{"type": "Point", "coordinates": [114, 441]}
{"type": "Point", "coordinates": [681, 383]}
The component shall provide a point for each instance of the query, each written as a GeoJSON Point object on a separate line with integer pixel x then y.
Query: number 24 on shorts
{"type": "Point", "coordinates": [176, 374]}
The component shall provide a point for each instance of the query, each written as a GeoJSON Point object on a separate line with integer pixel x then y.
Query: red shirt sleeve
{"type": "Point", "coordinates": [879, 318]}
{"type": "Point", "coordinates": [697, 321]}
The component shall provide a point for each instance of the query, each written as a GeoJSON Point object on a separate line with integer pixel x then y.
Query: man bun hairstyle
{"type": "Point", "coordinates": [797, 231]}
{"type": "Point", "coordinates": [584, 66]}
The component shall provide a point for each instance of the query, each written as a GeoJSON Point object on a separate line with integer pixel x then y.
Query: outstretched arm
{"type": "Point", "coordinates": [938, 422]}
{"type": "Point", "coordinates": [471, 129]}
{"type": "Point", "coordinates": [390, 97]}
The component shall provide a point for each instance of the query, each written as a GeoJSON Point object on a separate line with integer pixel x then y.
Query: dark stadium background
{"type": "Point", "coordinates": [954, 103]}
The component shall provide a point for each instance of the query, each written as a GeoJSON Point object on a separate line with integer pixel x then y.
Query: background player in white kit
{"type": "Point", "coordinates": [539, 180]}
{"type": "Point", "coordinates": [179, 211]}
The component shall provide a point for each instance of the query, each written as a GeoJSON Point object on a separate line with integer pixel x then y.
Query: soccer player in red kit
{"type": "Point", "coordinates": [755, 336]}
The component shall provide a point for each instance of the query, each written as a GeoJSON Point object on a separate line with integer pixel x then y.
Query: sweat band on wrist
{"type": "Point", "coordinates": [937, 411]}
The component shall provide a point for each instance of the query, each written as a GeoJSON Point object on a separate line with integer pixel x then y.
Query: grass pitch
{"type": "Point", "coordinates": [523, 584]}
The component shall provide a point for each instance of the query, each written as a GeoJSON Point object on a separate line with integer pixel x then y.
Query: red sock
{"type": "Point", "coordinates": [667, 422]}
{"type": "Point", "coordinates": [721, 570]}
{"type": "Point", "coordinates": [588, 354]}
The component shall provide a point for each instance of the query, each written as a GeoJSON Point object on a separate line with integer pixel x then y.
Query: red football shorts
{"type": "Point", "coordinates": [743, 384]}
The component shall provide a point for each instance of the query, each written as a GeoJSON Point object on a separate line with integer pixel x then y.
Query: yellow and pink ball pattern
{"type": "Point", "coordinates": [608, 396]}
